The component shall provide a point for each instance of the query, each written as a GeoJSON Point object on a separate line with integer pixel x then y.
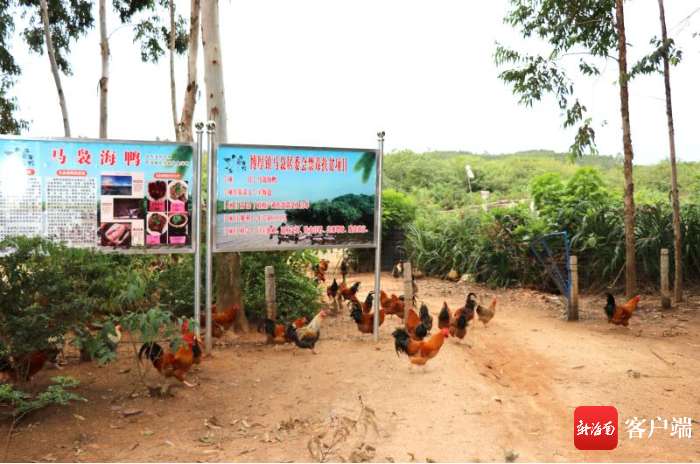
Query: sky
{"type": "Point", "coordinates": [331, 74]}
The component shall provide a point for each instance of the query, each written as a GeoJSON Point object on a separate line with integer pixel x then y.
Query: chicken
{"type": "Point", "coordinates": [419, 352]}
{"type": "Point", "coordinates": [323, 265]}
{"type": "Point", "coordinates": [415, 327]}
{"type": "Point", "coordinates": [620, 315]}
{"type": "Point", "coordinates": [348, 293]}
{"type": "Point", "coordinates": [343, 269]}
{"type": "Point", "coordinates": [5, 367]}
{"type": "Point", "coordinates": [319, 277]}
{"type": "Point", "coordinates": [24, 367]}
{"type": "Point", "coordinates": [306, 336]}
{"type": "Point", "coordinates": [276, 332]}
{"type": "Point", "coordinates": [393, 305]}
{"type": "Point", "coordinates": [320, 271]}
{"type": "Point", "coordinates": [365, 321]}
{"type": "Point", "coordinates": [332, 290]}
{"type": "Point", "coordinates": [366, 306]}
{"type": "Point", "coordinates": [486, 314]}
{"type": "Point", "coordinates": [469, 307]}
{"type": "Point", "coordinates": [175, 364]}
{"type": "Point", "coordinates": [426, 318]}
{"type": "Point", "coordinates": [220, 322]}
{"type": "Point", "coordinates": [445, 316]}
{"type": "Point", "coordinates": [458, 326]}
{"type": "Point", "coordinates": [397, 271]}
{"type": "Point", "coordinates": [191, 339]}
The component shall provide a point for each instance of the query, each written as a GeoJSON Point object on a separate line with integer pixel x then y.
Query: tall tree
{"type": "Point", "coordinates": [9, 69]}
{"type": "Point", "coordinates": [660, 60]}
{"type": "Point", "coordinates": [104, 79]}
{"type": "Point", "coordinates": [586, 27]}
{"type": "Point", "coordinates": [51, 28]}
{"type": "Point", "coordinates": [677, 234]}
{"type": "Point", "coordinates": [630, 255]}
{"type": "Point", "coordinates": [185, 132]}
{"type": "Point", "coordinates": [675, 194]}
{"type": "Point", "coordinates": [228, 265]}
{"type": "Point", "coordinates": [171, 49]}
{"type": "Point", "coordinates": [157, 36]}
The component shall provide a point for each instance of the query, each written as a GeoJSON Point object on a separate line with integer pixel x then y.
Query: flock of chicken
{"type": "Point", "coordinates": [414, 340]}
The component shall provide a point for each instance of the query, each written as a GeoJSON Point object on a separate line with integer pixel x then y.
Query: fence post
{"type": "Point", "coordinates": [572, 314]}
{"type": "Point", "coordinates": [407, 290]}
{"type": "Point", "coordinates": [665, 294]}
{"type": "Point", "coordinates": [270, 293]}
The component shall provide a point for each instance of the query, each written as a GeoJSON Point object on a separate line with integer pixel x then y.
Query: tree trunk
{"type": "Point", "coordinates": [228, 265]}
{"type": "Point", "coordinates": [54, 67]}
{"type": "Point", "coordinates": [173, 102]}
{"type": "Point", "coordinates": [185, 133]}
{"type": "Point", "coordinates": [104, 80]}
{"type": "Point", "coordinates": [630, 258]}
{"type": "Point", "coordinates": [677, 234]}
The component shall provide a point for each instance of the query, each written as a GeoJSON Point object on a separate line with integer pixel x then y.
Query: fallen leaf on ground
{"type": "Point", "coordinates": [79, 417]}
{"type": "Point", "coordinates": [146, 432]}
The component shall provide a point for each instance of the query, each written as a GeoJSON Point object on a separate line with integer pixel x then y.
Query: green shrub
{"type": "Point", "coordinates": [297, 294]}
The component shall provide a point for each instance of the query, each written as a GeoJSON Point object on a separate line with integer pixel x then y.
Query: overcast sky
{"type": "Point", "coordinates": [331, 73]}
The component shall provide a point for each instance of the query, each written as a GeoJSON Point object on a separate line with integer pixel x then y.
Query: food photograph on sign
{"type": "Point", "coordinates": [274, 198]}
{"type": "Point", "coordinates": [103, 194]}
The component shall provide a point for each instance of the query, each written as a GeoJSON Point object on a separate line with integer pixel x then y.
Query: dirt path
{"type": "Point", "coordinates": [514, 390]}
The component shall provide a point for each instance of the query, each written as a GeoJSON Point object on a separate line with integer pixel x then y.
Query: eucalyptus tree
{"type": "Point", "coordinates": [53, 25]}
{"type": "Point", "coordinates": [9, 70]}
{"type": "Point", "coordinates": [228, 265]}
{"type": "Point", "coordinates": [594, 30]}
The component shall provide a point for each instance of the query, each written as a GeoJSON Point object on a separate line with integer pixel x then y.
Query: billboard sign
{"type": "Point", "coordinates": [109, 195]}
{"type": "Point", "coordinates": [282, 198]}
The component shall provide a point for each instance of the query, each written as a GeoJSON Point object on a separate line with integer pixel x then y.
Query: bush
{"type": "Point", "coordinates": [297, 294]}
{"type": "Point", "coordinates": [45, 290]}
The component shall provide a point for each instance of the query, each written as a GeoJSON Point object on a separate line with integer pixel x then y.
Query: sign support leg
{"type": "Point", "coordinates": [197, 220]}
{"type": "Point", "coordinates": [378, 232]}
{"type": "Point", "coordinates": [211, 211]}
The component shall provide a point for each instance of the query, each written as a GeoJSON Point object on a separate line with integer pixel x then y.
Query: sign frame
{"type": "Point", "coordinates": [195, 189]}
{"type": "Point", "coordinates": [281, 247]}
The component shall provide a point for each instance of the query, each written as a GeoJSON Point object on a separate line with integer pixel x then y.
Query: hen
{"type": "Point", "coordinates": [394, 306]}
{"type": "Point", "coordinates": [426, 318]}
{"type": "Point", "coordinates": [365, 321]}
{"type": "Point", "coordinates": [419, 352]}
{"type": "Point", "coordinates": [332, 290]}
{"type": "Point", "coordinates": [276, 332]}
{"type": "Point", "coordinates": [486, 314]}
{"type": "Point", "coordinates": [469, 308]}
{"type": "Point", "coordinates": [22, 367]}
{"type": "Point", "coordinates": [177, 363]}
{"type": "Point", "coordinates": [305, 337]}
{"type": "Point", "coordinates": [458, 326]}
{"type": "Point", "coordinates": [348, 293]}
{"type": "Point", "coordinates": [620, 315]}
{"type": "Point", "coordinates": [343, 269]}
{"type": "Point", "coordinates": [415, 327]}
{"type": "Point", "coordinates": [366, 306]}
{"type": "Point", "coordinates": [445, 316]}
{"type": "Point", "coordinates": [220, 322]}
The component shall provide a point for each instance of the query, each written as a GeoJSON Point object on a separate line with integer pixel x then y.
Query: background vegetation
{"type": "Point", "coordinates": [453, 230]}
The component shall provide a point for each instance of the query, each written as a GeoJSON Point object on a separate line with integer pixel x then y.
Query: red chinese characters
{"type": "Point", "coordinates": [595, 428]}
{"type": "Point", "coordinates": [59, 155]}
{"type": "Point", "coordinates": [297, 163]}
{"type": "Point", "coordinates": [84, 156]}
{"type": "Point", "coordinates": [108, 157]}
{"type": "Point", "coordinates": [132, 157]}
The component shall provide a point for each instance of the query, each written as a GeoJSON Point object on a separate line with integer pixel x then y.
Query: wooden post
{"type": "Point", "coordinates": [665, 296]}
{"type": "Point", "coordinates": [572, 314]}
{"type": "Point", "coordinates": [270, 293]}
{"type": "Point", "coordinates": [407, 290]}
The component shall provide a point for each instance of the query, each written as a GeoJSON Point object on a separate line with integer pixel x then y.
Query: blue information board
{"type": "Point", "coordinates": [110, 195]}
{"type": "Point", "coordinates": [277, 198]}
